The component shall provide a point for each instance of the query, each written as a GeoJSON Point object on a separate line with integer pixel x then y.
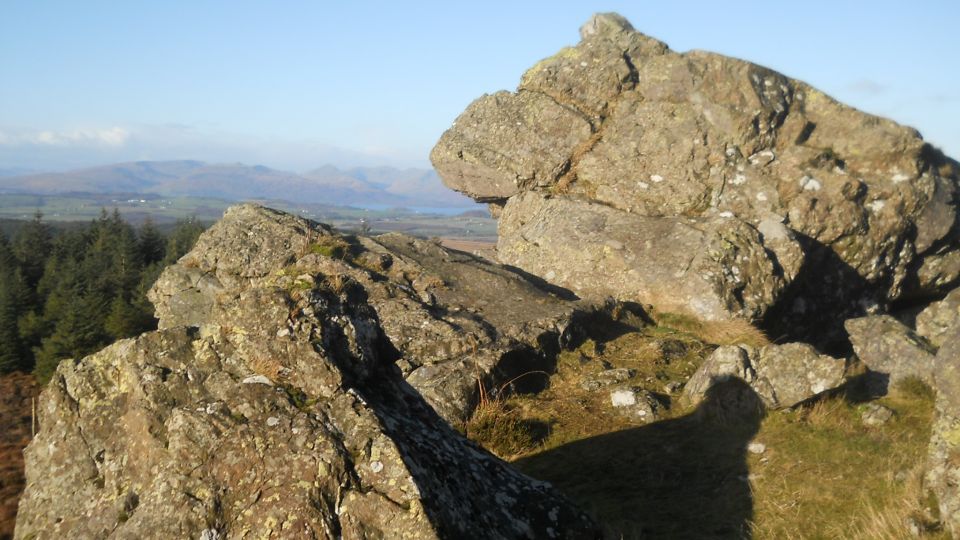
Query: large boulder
{"type": "Point", "coordinates": [711, 268]}
{"type": "Point", "coordinates": [453, 318]}
{"type": "Point", "coordinates": [938, 319]}
{"type": "Point", "coordinates": [280, 414]}
{"type": "Point", "coordinates": [943, 461]}
{"type": "Point", "coordinates": [783, 376]}
{"type": "Point", "coordinates": [890, 349]}
{"type": "Point", "coordinates": [621, 122]}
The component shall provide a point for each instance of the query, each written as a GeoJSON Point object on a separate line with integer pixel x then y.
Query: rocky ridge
{"type": "Point", "coordinates": [268, 404]}
{"type": "Point", "coordinates": [302, 383]}
{"type": "Point", "coordinates": [836, 210]}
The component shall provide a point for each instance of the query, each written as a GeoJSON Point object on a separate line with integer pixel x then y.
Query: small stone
{"type": "Point", "coordinates": [756, 448]}
{"type": "Point", "coordinates": [273, 421]}
{"type": "Point", "coordinates": [623, 398]}
{"type": "Point", "coordinates": [606, 378]}
{"type": "Point", "coordinates": [258, 379]}
{"type": "Point", "coordinates": [672, 387]}
{"type": "Point", "coordinates": [874, 415]}
{"type": "Point", "coordinates": [635, 402]}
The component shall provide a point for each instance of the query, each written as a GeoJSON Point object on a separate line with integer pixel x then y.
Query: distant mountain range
{"type": "Point", "coordinates": [361, 186]}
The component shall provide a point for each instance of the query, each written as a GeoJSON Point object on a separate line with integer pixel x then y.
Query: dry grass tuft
{"type": "Point", "coordinates": [338, 283]}
{"type": "Point", "coordinates": [732, 332]}
{"type": "Point", "coordinates": [267, 366]}
{"type": "Point", "coordinates": [501, 427]}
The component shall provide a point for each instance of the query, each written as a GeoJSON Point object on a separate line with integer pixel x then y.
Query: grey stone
{"type": "Point", "coordinates": [943, 472]}
{"type": "Point", "coordinates": [339, 446]}
{"type": "Point", "coordinates": [640, 405]}
{"type": "Point", "coordinates": [713, 268]}
{"type": "Point", "coordinates": [874, 415]}
{"type": "Point", "coordinates": [606, 378]}
{"type": "Point", "coordinates": [648, 132]}
{"type": "Point", "coordinates": [783, 376]}
{"type": "Point", "coordinates": [888, 347]}
{"type": "Point", "coordinates": [936, 321]}
{"type": "Point", "coordinates": [453, 318]}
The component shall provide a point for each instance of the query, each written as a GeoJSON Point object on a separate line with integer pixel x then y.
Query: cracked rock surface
{"type": "Point", "coordinates": [451, 317]}
{"type": "Point", "coordinates": [267, 407]}
{"type": "Point", "coordinates": [851, 210]}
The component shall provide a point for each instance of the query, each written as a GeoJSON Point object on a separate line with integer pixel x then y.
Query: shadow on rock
{"type": "Point", "coordinates": [681, 478]}
{"type": "Point", "coordinates": [826, 292]}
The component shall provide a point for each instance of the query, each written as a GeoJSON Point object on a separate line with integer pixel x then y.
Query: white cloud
{"type": "Point", "coordinates": [58, 149]}
{"type": "Point", "coordinates": [111, 137]}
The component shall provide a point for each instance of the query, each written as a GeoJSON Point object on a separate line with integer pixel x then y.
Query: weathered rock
{"type": "Point", "coordinates": [640, 405]}
{"type": "Point", "coordinates": [626, 123]}
{"type": "Point", "coordinates": [874, 415]}
{"type": "Point", "coordinates": [943, 461]}
{"type": "Point", "coordinates": [887, 347]}
{"type": "Point", "coordinates": [712, 268]}
{"type": "Point", "coordinates": [452, 317]}
{"type": "Point", "coordinates": [936, 321]}
{"type": "Point", "coordinates": [282, 415]}
{"type": "Point", "coordinates": [607, 377]}
{"type": "Point", "coordinates": [782, 375]}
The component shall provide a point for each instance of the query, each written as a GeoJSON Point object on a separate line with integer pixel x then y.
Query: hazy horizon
{"type": "Point", "coordinates": [372, 84]}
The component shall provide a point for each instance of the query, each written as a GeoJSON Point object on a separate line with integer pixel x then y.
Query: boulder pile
{"type": "Point", "coordinates": [305, 383]}
{"type": "Point", "coordinates": [269, 405]}
{"type": "Point", "coordinates": [705, 184]}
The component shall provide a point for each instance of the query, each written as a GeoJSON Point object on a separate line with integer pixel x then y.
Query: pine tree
{"type": "Point", "coordinates": [31, 246]}
{"type": "Point", "coordinates": [151, 243]}
{"type": "Point", "coordinates": [12, 300]}
{"type": "Point", "coordinates": [78, 333]}
{"type": "Point", "coordinates": [126, 320]}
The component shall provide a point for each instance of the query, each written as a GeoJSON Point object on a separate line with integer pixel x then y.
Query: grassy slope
{"type": "Point", "coordinates": [689, 475]}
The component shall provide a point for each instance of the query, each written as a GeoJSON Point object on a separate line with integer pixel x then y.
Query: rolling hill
{"type": "Point", "coordinates": [326, 185]}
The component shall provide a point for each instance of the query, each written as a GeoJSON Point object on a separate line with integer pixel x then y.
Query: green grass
{"type": "Point", "coordinates": [823, 473]}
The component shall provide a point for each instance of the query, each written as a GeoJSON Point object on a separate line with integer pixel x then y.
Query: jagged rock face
{"type": "Point", "coordinates": [622, 121]}
{"type": "Point", "coordinates": [891, 349]}
{"type": "Point", "coordinates": [712, 267]}
{"type": "Point", "coordinates": [943, 472]}
{"type": "Point", "coordinates": [939, 318]}
{"type": "Point", "coordinates": [281, 415]}
{"type": "Point", "coordinates": [782, 375]}
{"type": "Point", "coordinates": [452, 317]}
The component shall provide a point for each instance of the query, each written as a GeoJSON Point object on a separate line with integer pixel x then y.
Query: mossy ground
{"type": "Point", "coordinates": [823, 473]}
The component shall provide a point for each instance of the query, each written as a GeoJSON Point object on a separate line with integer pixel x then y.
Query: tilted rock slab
{"type": "Point", "coordinates": [281, 416]}
{"type": "Point", "coordinates": [888, 347]}
{"type": "Point", "coordinates": [712, 267]}
{"type": "Point", "coordinates": [783, 376]}
{"type": "Point", "coordinates": [939, 318]}
{"type": "Point", "coordinates": [453, 318]}
{"type": "Point", "coordinates": [943, 461]}
{"type": "Point", "coordinates": [622, 121]}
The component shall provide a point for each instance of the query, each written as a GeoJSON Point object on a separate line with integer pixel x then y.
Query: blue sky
{"type": "Point", "coordinates": [295, 85]}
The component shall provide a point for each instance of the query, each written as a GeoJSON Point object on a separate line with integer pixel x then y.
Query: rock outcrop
{"type": "Point", "coordinates": [782, 375]}
{"type": "Point", "coordinates": [453, 318]}
{"type": "Point", "coordinates": [939, 318]}
{"type": "Point", "coordinates": [891, 349]}
{"type": "Point", "coordinates": [833, 210]}
{"type": "Point", "coordinates": [943, 462]}
{"type": "Point", "coordinates": [269, 405]}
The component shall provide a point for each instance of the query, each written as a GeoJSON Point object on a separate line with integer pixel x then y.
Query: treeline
{"type": "Point", "coordinates": [68, 293]}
